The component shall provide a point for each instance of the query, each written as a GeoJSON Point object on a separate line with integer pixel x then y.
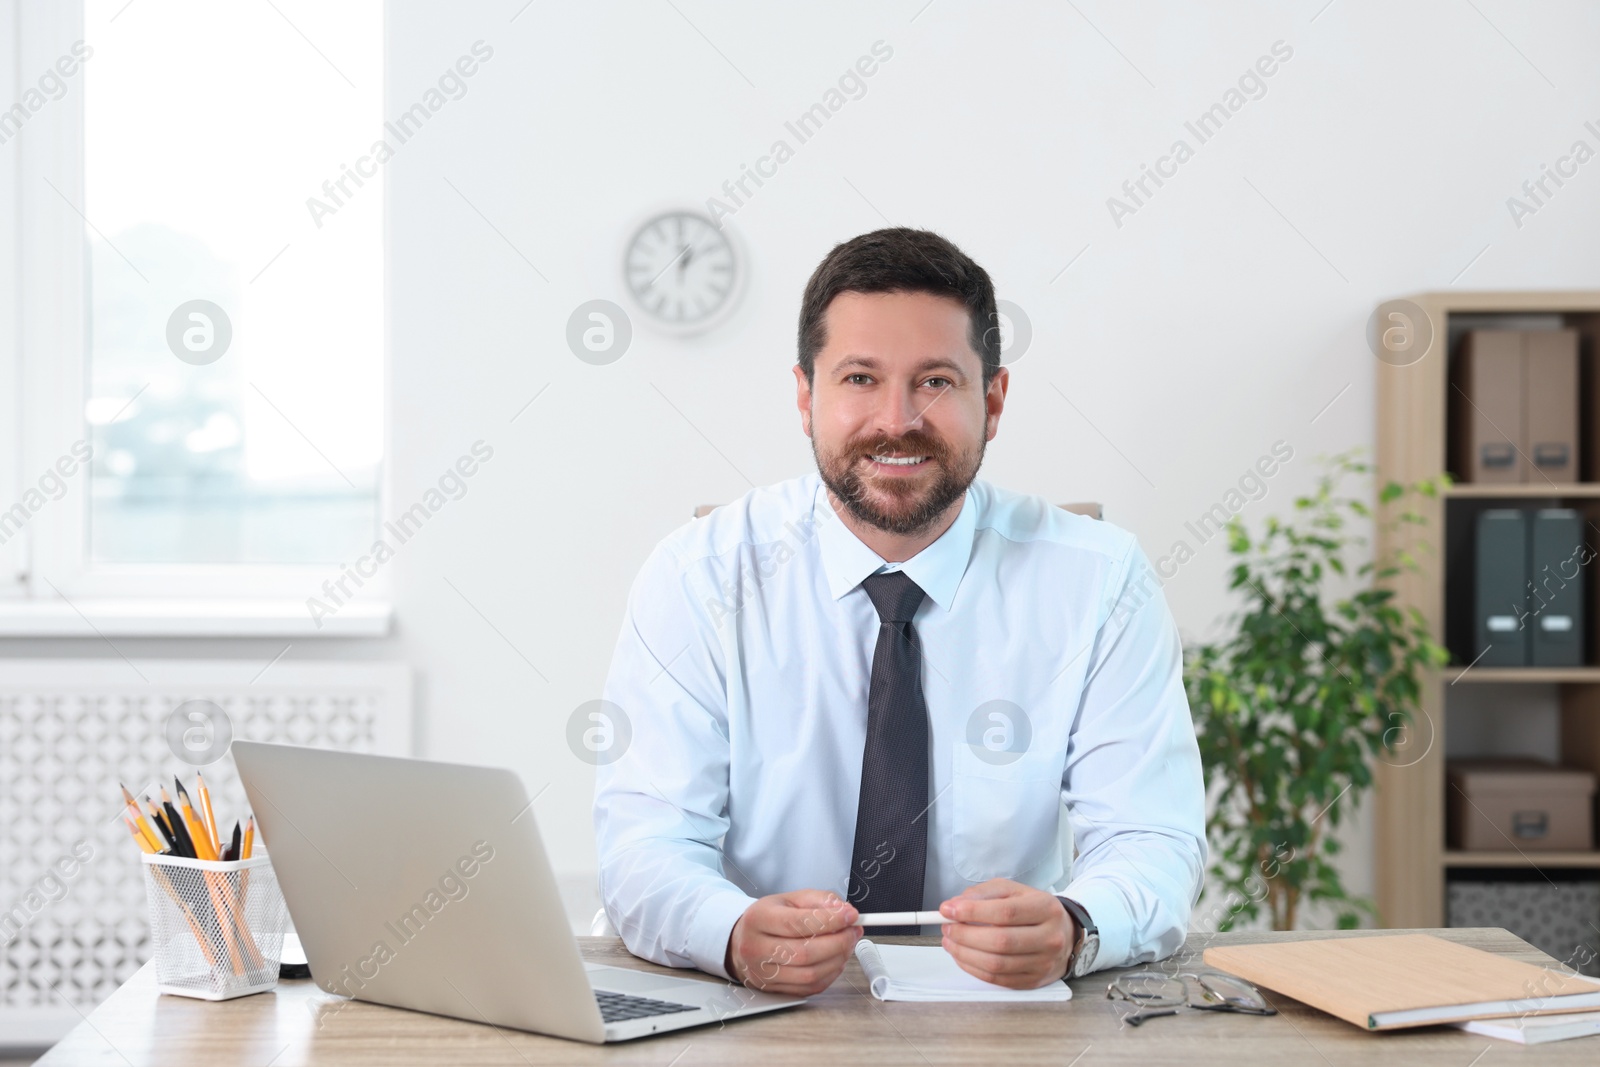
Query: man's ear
{"type": "Point", "coordinates": [994, 401]}
{"type": "Point", "coordinates": [803, 398]}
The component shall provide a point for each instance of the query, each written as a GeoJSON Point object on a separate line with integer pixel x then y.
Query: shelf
{"type": "Point", "coordinates": [1474, 490]}
{"type": "Point", "coordinates": [1413, 443]}
{"type": "Point", "coordinates": [1512, 301]}
{"type": "Point", "coordinates": [1455, 674]}
{"type": "Point", "coordinates": [1520, 859]}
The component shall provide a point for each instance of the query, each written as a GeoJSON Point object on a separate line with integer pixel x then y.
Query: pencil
{"type": "Point", "coordinates": [239, 849]}
{"type": "Point", "coordinates": [188, 913]}
{"type": "Point", "coordinates": [180, 835]}
{"type": "Point", "coordinates": [127, 798]}
{"type": "Point", "coordinates": [145, 833]}
{"type": "Point", "coordinates": [197, 832]}
{"type": "Point", "coordinates": [206, 813]}
{"type": "Point", "coordinates": [139, 838]}
{"type": "Point", "coordinates": [160, 823]}
{"type": "Point", "coordinates": [180, 832]}
{"type": "Point", "coordinates": [225, 917]}
{"type": "Point", "coordinates": [200, 839]}
{"type": "Point", "coordinates": [139, 824]}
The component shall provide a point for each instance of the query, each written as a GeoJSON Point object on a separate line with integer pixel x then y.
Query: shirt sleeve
{"type": "Point", "coordinates": [661, 802]}
{"type": "Point", "coordinates": [1133, 782]}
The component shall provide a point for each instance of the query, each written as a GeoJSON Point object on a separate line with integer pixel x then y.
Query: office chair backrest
{"type": "Point", "coordinates": [1089, 508]}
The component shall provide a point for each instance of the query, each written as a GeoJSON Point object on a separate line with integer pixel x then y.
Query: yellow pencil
{"type": "Point", "coordinates": [138, 837]}
{"type": "Point", "coordinates": [215, 886]}
{"type": "Point", "coordinates": [139, 824]}
{"type": "Point", "coordinates": [207, 814]}
{"type": "Point", "coordinates": [202, 839]}
{"type": "Point", "coordinates": [149, 835]}
{"type": "Point", "coordinates": [249, 837]}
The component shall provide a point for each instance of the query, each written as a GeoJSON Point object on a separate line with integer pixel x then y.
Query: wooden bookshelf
{"type": "Point", "coordinates": [1412, 417]}
{"type": "Point", "coordinates": [1580, 491]}
{"type": "Point", "coordinates": [1458, 675]}
{"type": "Point", "coordinates": [1522, 859]}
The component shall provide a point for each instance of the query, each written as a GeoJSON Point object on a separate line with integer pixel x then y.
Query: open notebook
{"type": "Point", "coordinates": [927, 972]}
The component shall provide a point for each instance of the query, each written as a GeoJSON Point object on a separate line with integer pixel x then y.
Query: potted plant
{"type": "Point", "coordinates": [1306, 690]}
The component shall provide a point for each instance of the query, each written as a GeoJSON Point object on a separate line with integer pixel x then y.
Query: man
{"type": "Point", "coordinates": [874, 688]}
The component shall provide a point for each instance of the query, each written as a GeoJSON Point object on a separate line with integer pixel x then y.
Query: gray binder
{"type": "Point", "coordinates": [1555, 620]}
{"type": "Point", "coordinates": [1500, 633]}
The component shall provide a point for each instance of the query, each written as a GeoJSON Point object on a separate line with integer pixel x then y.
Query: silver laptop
{"type": "Point", "coordinates": [426, 886]}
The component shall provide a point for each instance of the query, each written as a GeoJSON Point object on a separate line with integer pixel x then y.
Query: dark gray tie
{"type": "Point", "coordinates": [891, 845]}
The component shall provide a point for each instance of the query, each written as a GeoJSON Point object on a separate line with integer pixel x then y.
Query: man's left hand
{"type": "Point", "coordinates": [1009, 934]}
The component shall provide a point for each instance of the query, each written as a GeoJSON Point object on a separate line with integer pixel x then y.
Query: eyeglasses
{"type": "Point", "coordinates": [1158, 994]}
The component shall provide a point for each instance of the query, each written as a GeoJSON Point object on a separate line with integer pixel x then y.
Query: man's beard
{"type": "Point", "coordinates": [914, 507]}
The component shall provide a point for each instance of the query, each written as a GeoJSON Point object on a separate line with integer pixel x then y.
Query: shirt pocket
{"type": "Point", "coordinates": [1006, 815]}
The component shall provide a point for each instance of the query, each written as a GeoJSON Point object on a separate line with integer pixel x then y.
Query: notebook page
{"type": "Point", "coordinates": [929, 973]}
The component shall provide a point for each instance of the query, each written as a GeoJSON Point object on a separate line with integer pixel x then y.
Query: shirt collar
{"type": "Point", "coordinates": [937, 569]}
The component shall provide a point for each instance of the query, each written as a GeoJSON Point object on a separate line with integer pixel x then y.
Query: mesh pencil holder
{"type": "Point", "coordinates": [217, 928]}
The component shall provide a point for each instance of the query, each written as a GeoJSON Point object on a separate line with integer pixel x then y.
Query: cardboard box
{"type": "Point", "coordinates": [1519, 805]}
{"type": "Point", "coordinates": [1487, 404]}
{"type": "Point", "coordinates": [1550, 405]}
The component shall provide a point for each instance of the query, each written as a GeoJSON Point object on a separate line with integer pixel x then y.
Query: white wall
{"type": "Point", "coordinates": [1223, 316]}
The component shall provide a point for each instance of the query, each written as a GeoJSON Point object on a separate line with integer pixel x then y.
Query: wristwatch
{"type": "Point", "coordinates": [1088, 946]}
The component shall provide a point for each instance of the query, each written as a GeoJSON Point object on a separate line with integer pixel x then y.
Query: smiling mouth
{"type": "Point", "coordinates": [898, 461]}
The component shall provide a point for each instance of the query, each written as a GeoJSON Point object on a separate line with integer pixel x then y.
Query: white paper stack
{"type": "Point", "coordinates": [1537, 1029]}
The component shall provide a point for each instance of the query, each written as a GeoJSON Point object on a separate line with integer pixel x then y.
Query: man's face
{"type": "Point", "coordinates": [897, 413]}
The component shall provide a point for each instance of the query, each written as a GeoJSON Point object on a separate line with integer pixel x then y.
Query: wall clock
{"type": "Point", "coordinates": [682, 272]}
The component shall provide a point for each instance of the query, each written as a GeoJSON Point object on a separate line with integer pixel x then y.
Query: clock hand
{"type": "Point", "coordinates": [674, 260]}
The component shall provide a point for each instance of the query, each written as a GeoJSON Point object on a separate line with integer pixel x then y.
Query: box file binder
{"type": "Point", "coordinates": [1501, 589]}
{"type": "Point", "coordinates": [1555, 618]}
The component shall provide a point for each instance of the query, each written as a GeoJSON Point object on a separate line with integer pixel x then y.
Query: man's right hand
{"type": "Point", "coordinates": [794, 943]}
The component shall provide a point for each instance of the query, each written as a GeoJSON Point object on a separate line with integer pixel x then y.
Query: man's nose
{"type": "Point", "coordinates": [900, 411]}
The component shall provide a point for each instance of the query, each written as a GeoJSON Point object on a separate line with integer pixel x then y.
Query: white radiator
{"type": "Point", "coordinates": [73, 925]}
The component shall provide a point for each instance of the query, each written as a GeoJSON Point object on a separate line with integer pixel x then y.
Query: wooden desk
{"type": "Point", "coordinates": [299, 1024]}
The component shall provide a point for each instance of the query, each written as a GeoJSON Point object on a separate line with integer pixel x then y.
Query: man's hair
{"type": "Point", "coordinates": [901, 260]}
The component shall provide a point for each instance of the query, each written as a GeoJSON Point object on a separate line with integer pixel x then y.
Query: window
{"type": "Point", "coordinates": [189, 320]}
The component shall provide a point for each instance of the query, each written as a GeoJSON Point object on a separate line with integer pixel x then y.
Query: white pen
{"type": "Point", "coordinates": [900, 918]}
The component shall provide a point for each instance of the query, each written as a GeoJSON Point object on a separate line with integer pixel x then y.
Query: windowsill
{"type": "Point", "coordinates": [188, 618]}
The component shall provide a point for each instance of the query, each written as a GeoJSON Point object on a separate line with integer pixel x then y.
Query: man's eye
{"type": "Point", "coordinates": [852, 378]}
{"type": "Point", "coordinates": [946, 381]}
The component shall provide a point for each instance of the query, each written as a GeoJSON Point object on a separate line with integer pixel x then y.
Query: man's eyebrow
{"type": "Point", "coordinates": [936, 363]}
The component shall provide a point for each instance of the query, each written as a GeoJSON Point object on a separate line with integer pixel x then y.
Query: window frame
{"type": "Point", "coordinates": [13, 552]}
{"type": "Point", "coordinates": [46, 281]}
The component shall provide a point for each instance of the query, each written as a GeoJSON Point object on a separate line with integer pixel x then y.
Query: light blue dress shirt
{"type": "Point", "coordinates": [1052, 673]}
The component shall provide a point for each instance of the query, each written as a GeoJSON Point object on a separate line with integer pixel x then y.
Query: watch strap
{"type": "Point", "coordinates": [1086, 929]}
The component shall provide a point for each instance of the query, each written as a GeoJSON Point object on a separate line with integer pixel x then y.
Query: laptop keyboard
{"type": "Point", "coordinates": [619, 1007]}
